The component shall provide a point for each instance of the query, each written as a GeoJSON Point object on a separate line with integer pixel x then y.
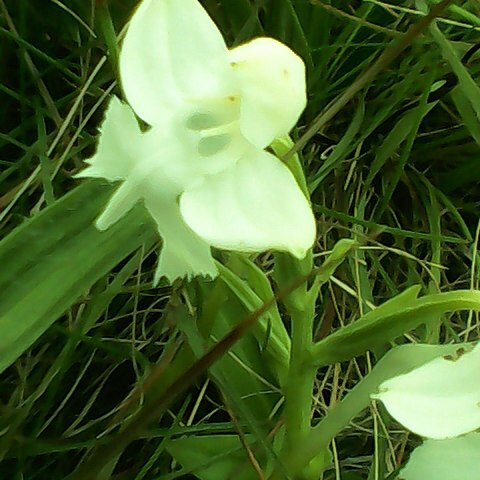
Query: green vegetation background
{"type": "Point", "coordinates": [397, 169]}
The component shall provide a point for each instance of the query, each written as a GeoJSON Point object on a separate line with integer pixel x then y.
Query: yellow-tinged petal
{"type": "Point", "coordinates": [172, 53]}
{"type": "Point", "coordinates": [271, 79]}
{"type": "Point", "coordinates": [255, 205]}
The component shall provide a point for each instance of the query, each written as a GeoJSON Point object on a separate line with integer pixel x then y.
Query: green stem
{"type": "Point", "coordinates": [299, 384]}
{"type": "Point", "coordinates": [397, 361]}
{"type": "Point", "coordinates": [298, 387]}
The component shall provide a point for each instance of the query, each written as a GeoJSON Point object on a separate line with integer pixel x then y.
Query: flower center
{"type": "Point", "coordinates": [215, 125]}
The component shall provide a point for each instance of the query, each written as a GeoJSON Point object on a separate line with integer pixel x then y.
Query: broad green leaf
{"type": "Point", "coordinates": [389, 321]}
{"type": "Point", "coordinates": [243, 372]}
{"type": "Point", "coordinates": [101, 297]}
{"type": "Point", "coordinates": [245, 375]}
{"type": "Point", "coordinates": [54, 258]}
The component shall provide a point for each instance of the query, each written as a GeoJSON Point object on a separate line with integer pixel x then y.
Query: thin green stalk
{"type": "Point", "coordinates": [299, 384]}
{"type": "Point", "coordinates": [301, 376]}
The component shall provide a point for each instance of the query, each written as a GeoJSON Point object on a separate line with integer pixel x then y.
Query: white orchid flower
{"type": "Point", "coordinates": [440, 401]}
{"type": "Point", "coordinates": [450, 459]}
{"type": "Point", "coordinates": [201, 167]}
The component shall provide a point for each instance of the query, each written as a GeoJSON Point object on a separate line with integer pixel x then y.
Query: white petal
{"type": "Point", "coordinates": [120, 203]}
{"type": "Point", "coordinates": [183, 253]}
{"type": "Point", "coordinates": [452, 459]}
{"type": "Point", "coordinates": [272, 83]}
{"type": "Point", "coordinates": [119, 145]}
{"type": "Point", "coordinates": [172, 51]}
{"type": "Point", "coordinates": [440, 399]}
{"type": "Point", "coordinates": [254, 206]}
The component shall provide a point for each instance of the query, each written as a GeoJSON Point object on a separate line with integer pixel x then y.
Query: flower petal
{"type": "Point", "coordinates": [254, 206]}
{"type": "Point", "coordinates": [272, 83]}
{"type": "Point", "coordinates": [184, 253]}
{"type": "Point", "coordinates": [439, 399]}
{"type": "Point", "coordinates": [120, 203]}
{"type": "Point", "coordinates": [156, 168]}
{"type": "Point", "coordinates": [172, 50]}
{"type": "Point", "coordinates": [118, 145]}
{"type": "Point", "coordinates": [451, 459]}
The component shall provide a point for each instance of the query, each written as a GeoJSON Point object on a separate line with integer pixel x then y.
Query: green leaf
{"type": "Point", "coordinates": [213, 457]}
{"type": "Point", "coordinates": [54, 258]}
{"type": "Point", "coordinates": [405, 128]}
{"type": "Point", "coordinates": [467, 84]}
{"type": "Point", "coordinates": [269, 331]}
{"type": "Point", "coordinates": [281, 147]}
{"type": "Point", "coordinates": [469, 117]}
{"type": "Point", "coordinates": [387, 322]}
{"type": "Point", "coordinates": [243, 373]}
{"type": "Point", "coordinates": [342, 149]}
